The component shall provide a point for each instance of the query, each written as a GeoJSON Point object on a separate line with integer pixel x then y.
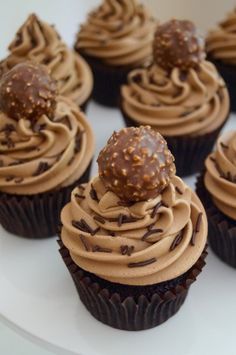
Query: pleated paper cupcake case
{"type": "Point", "coordinates": [130, 313]}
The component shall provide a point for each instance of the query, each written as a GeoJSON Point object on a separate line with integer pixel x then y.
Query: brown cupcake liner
{"type": "Point", "coordinates": [228, 72]}
{"type": "Point", "coordinates": [36, 216]}
{"type": "Point", "coordinates": [131, 307]}
{"type": "Point", "coordinates": [107, 81]}
{"type": "Point", "coordinates": [221, 229]}
{"type": "Point", "coordinates": [190, 152]}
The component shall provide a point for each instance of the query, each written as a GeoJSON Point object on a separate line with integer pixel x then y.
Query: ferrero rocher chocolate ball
{"type": "Point", "coordinates": [177, 44]}
{"type": "Point", "coordinates": [27, 91]}
{"type": "Point", "coordinates": [136, 164]}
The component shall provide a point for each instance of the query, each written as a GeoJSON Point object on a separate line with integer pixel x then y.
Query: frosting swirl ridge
{"type": "Point", "coordinates": [136, 244]}
{"type": "Point", "coordinates": [220, 177]}
{"type": "Point", "coordinates": [177, 102]}
{"type": "Point", "coordinates": [39, 42]}
{"type": "Point", "coordinates": [119, 33]}
{"type": "Point", "coordinates": [221, 42]}
{"type": "Point", "coordinates": [40, 156]}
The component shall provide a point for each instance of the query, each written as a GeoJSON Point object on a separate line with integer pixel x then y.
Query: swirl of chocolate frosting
{"type": "Point", "coordinates": [141, 243]}
{"type": "Point", "coordinates": [178, 102]}
{"type": "Point", "coordinates": [220, 177]}
{"type": "Point", "coordinates": [39, 42]}
{"type": "Point", "coordinates": [41, 155]}
{"type": "Point", "coordinates": [221, 41]}
{"type": "Point", "coordinates": [119, 32]}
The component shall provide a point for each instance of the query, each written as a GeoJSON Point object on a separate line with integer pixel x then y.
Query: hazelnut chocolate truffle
{"type": "Point", "coordinates": [136, 164]}
{"type": "Point", "coordinates": [27, 91]}
{"type": "Point", "coordinates": [177, 44]}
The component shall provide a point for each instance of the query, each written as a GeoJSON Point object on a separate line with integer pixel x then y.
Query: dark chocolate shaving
{"type": "Point", "coordinates": [142, 263]}
{"type": "Point", "coordinates": [151, 232]}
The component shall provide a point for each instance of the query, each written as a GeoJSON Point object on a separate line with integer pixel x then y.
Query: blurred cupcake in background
{"type": "Point", "coordinates": [221, 50]}
{"type": "Point", "coordinates": [181, 95]}
{"type": "Point", "coordinates": [134, 237]}
{"type": "Point", "coordinates": [217, 189]}
{"type": "Point", "coordinates": [39, 42]}
{"type": "Point", "coordinates": [46, 147]}
{"type": "Point", "coordinates": [116, 38]}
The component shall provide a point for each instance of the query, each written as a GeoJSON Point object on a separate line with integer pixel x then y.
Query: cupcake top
{"type": "Point", "coordinates": [221, 41]}
{"type": "Point", "coordinates": [45, 141]}
{"type": "Point", "coordinates": [118, 32]}
{"type": "Point", "coordinates": [180, 93]}
{"type": "Point", "coordinates": [141, 241]}
{"type": "Point", "coordinates": [39, 42]}
{"type": "Point", "coordinates": [220, 177]}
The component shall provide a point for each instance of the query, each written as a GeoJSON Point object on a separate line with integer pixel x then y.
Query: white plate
{"type": "Point", "coordinates": [37, 295]}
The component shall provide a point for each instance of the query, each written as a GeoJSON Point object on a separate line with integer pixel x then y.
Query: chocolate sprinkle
{"type": "Point", "coordinates": [84, 242]}
{"type": "Point", "coordinates": [178, 239]}
{"type": "Point", "coordinates": [150, 232]}
{"type": "Point", "coordinates": [224, 145]}
{"type": "Point", "coordinates": [196, 229]}
{"type": "Point", "coordinates": [178, 190]}
{"type": "Point", "coordinates": [126, 249]}
{"type": "Point", "coordinates": [78, 141]}
{"type": "Point", "coordinates": [99, 219]}
{"type": "Point", "coordinates": [42, 167]}
{"type": "Point", "coordinates": [125, 203]}
{"type": "Point", "coordinates": [155, 209]}
{"type": "Point", "coordinates": [19, 180]}
{"type": "Point", "coordinates": [83, 226]}
{"type": "Point", "coordinates": [99, 249]}
{"type": "Point", "coordinates": [10, 178]}
{"type": "Point", "coordinates": [93, 194]}
{"type": "Point", "coordinates": [79, 196]}
{"type": "Point", "coordinates": [142, 263]}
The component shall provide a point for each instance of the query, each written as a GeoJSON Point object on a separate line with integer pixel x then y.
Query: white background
{"type": "Point", "coordinates": [67, 15]}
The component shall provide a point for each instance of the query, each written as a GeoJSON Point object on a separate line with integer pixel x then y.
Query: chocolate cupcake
{"type": "Point", "coordinates": [217, 189]}
{"type": "Point", "coordinates": [116, 38]}
{"type": "Point", "coordinates": [46, 147]}
{"type": "Point", "coordinates": [221, 50]}
{"type": "Point", "coordinates": [133, 238]}
{"type": "Point", "coordinates": [39, 42]}
{"type": "Point", "coordinates": [180, 95]}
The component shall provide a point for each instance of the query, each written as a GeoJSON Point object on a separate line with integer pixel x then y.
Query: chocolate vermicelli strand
{"type": "Point", "coordinates": [99, 249]}
{"type": "Point", "coordinates": [178, 190]}
{"type": "Point", "coordinates": [178, 239]}
{"type": "Point", "coordinates": [99, 219]}
{"type": "Point", "coordinates": [142, 263]}
{"type": "Point", "coordinates": [84, 242]}
{"type": "Point", "coordinates": [155, 209]}
{"type": "Point", "coordinates": [93, 194]}
{"type": "Point", "coordinates": [151, 232]}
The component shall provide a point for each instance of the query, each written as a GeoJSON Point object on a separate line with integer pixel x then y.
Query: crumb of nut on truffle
{"type": "Point", "coordinates": [27, 91]}
{"type": "Point", "coordinates": [177, 44]}
{"type": "Point", "coordinates": [136, 164]}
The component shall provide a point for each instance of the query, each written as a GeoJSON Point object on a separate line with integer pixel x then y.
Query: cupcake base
{"type": "Point", "coordinates": [107, 81]}
{"type": "Point", "coordinates": [36, 216]}
{"type": "Point", "coordinates": [130, 307]}
{"type": "Point", "coordinates": [221, 229]}
{"type": "Point", "coordinates": [190, 152]}
{"type": "Point", "coordinates": [228, 72]}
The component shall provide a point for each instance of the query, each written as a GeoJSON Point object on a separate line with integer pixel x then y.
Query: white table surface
{"type": "Point", "coordinates": [13, 341]}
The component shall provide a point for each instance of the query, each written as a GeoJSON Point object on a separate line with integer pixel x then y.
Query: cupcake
{"type": "Point", "coordinates": [133, 238]}
{"type": "Point", "coordinates": [217, 190]}
{"type": "Point", "coordinates": [221, 50]}
{"type": "Point", "coordinates": [39, 42]}
{"type": "Point", "coordinates": [46, 147]}
{"type": "Point", "coordinates": [180, 95]}
{"type": "Point", "coordinates": [116, 38]}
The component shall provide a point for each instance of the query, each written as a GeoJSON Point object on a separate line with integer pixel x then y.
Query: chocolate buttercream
{"type": "Point", "coordinates": [140, 244]}
{"type": "Point", "coordinates": [221, 41]}
{"type": "Point", "coordinates": [120, 33]}
{"type": "Point", "coordinates": [178, 102]}
{"type": "Point", "coordinates": [39, 42]}
{"type": "Point", "coordinates": [220, 177]}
